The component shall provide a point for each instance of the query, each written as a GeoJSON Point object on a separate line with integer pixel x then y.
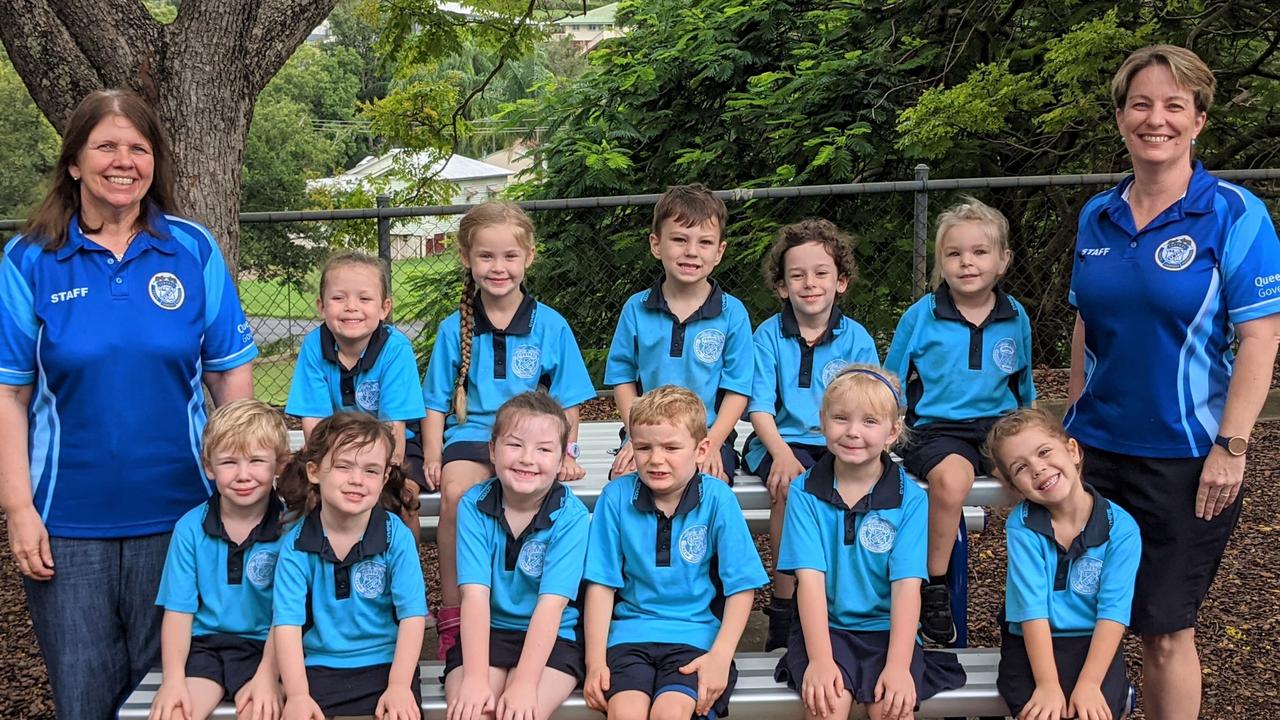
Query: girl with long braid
{"type": "Point", "coordinates": [501, 342]}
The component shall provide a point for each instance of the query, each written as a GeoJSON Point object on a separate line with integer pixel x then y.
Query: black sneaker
{"type": "Point", "coordinates": [936, 626]}
{"type": "Point", "coordinates": [779, 614]}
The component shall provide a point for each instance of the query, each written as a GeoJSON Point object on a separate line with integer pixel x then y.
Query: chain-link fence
{"type": "Point", "coordinates": [593, 254]}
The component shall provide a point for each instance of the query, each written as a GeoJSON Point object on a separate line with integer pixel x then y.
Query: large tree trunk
{"type": "Point", "coordinates": [202, 74]}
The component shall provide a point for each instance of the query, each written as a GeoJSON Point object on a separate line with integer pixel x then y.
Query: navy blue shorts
{"type": "Point", "coordinates": [229, 660]}
{"type": "Point", "coordinates": [1016, 683]}
{"type": "Point", "coordinates": [505, 647]}
{"type": "Point", "coordinates": [354, 691]}
{"type": "Point", "coordinates": [932, 443]}
{"type": "Point", "coordinates": [861, 657]}
{"type": "Point", "coordinates": [654, 668]}
{"type": "Point", "coordinates": [414, 463]}
{"type": "Point", "coordinates": [472, 450]}
{"type": "Point", "coordinates": [808, 455]}
{"type": "Point", "coordinates": [728, 455]}
{"type": "Point", "coordinates": [1180, 552]}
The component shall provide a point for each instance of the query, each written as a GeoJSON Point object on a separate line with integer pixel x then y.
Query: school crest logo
{"type": "Point", "coordinates": [369, 578]}
{"type": "Point", "coordinates": [708, 345]}
{"type": "Point", "coordinates": [525, 361]}
{"type": "Point", "coordinates": [876, 535]}
{"type": "Point", "coordinates": [367, 394]}
{"type": "Point", "coordinates": [1176, 253]}
{"type": "Point", "coordinates": [832, 369]}
{"type": "Point", "coordinates": [693, 544]}
{"type": "Point", "coordinates": [1005, 354]}
{"type": "Point", "coordinates": [1086, 575]}
{"type": "Point", "coordinates": [532, 553]}
{"type": "Point", "coordinates": [166, 291]}
{"type": "Point", "coordinates": [261, 568]}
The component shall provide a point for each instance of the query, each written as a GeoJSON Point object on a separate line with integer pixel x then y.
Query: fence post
{"type": "Point", "coordinates": [384, 231]}
{"type": "Point", "coordinates": [919, 251]}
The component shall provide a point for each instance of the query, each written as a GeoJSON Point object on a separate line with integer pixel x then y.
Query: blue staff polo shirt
{"type": "Point", "coordinates": [349, 609]}
{"type": "Point", "coordinates": [116, 351]}
{"type": "Point", "coordinates": [861, 550]}
{"type": "Point", "coordinates": [1159, 306]}
{"type": "Point", "coordinates": [546, 559]}
{"type": "Point", "coordinates": [383, 383]}
{"type": "Point", "coordinates": [671, 574]}
{"type": "Point", "coordinates": [1075, 587]}
{"type": "Point", "coordinates": [791, 375]}
{"type": "Point", "coordinates": [225, 585]}
{"type": "Point", "coordinates": [708, 353]}
{"type": "Point", "coordinates": [537, 349]}
{"type": "Point", "coordinates": [955, 370]}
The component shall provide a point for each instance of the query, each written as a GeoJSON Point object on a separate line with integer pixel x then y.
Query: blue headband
{"type": "Point", "coordinates": [876, 375]}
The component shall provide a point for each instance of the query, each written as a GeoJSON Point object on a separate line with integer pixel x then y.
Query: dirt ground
{"type": "Point", "coordinates": [1238, 634]}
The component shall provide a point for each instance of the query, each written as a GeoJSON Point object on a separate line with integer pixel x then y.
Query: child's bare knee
{"type": "Point", "coordinates": [671, 706]}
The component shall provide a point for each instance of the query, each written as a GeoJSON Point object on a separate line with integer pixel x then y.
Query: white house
{"type": "Point", "coordinates": [473, 181]}
{"type": "Point", "coordinates": [587, 30]}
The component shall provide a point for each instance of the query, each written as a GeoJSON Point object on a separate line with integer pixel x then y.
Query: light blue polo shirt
{"type": "Point", "coordinates": [546, 559]}
{"type": "Point", "coordinates": [791, 375]}
{"type": "Point", "coordinates": [1073, 588]}
{"type": "Point", "coordinates": [383, 383]}
{"type": "Point", "coordinates": [954, 370]}
{"type": "Point", "coordinates": [671, 574]}
{"type": "Point", "coordinates": [349, 609]}
{"type": "Point", "coordinates": [861, 550]}
{"type": "Point", "coordinates": [708, 353]}
{"type": "Point", "coordinates": [116, 351]}
{"type": "Point", "coordinates": [1159, 308]}
{"type": "Point", "coordinates": [537, 349]}
{"type": "Point", "coordinates": [226, 586]}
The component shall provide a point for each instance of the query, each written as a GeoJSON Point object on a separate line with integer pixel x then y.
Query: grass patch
{"type": "Point", "coordinates": [271, 379]}
{"type": "Point", "coordinates": [271, 298]}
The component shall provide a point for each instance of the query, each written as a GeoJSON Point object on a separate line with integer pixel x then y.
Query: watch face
{"type": "Point", "coordinates": [1237, 445]}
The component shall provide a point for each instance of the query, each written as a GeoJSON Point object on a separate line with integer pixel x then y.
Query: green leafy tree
{"type": "Point", "coordinates": [28, 146]}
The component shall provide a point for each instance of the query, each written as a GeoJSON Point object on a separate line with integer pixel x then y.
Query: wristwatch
{"type": "Point", "coordinates": [1236, 445]}
{"type": "Point", "coordinates": [573, 450]}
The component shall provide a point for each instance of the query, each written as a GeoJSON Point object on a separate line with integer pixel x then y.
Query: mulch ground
{"type": "Point", "coordinates": [1238, 634]}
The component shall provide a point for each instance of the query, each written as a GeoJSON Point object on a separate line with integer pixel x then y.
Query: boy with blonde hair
{"type": "Point", "coordinates": [671, 543]}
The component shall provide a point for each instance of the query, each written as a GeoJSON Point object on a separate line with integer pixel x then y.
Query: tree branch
{"type": "Point", "coordinates": [32, 33]}
{"type": "Point", "coordinates": [119, 38]}
{"type": "Point", "coordinates": [278, 30]}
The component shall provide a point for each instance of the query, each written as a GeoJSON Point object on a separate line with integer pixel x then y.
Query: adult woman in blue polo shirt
{"type": "Point", "coordinates": [1171, 267]}
{"type": "Point", "coordinates": [113, 313]}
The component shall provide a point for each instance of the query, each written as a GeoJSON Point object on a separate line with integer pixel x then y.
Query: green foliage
{"type": "Point", "coordinates": [28, 146]}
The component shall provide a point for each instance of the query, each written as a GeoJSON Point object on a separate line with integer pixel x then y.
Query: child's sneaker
{"type": "Point", "coordinates": [779, 613]}
{"type": "Point", "coordinates": [448, 622]}
{"type": "Point", "coordinates": [936, 625]}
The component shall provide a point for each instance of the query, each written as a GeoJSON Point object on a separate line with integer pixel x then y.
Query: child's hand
{"type": "Point", "coordinates": [713, 678]}
{"type": "Point", "coordinates": [624, 462]}
{"type": "Point", "coordinates": [897, 690]}
{"type": "Point", "coordinates": [398, 703]}
{"type": "Point", "coordinates": [822, 686]}
{"type": "Point", "coordinates": [261, 698]}
{"type": "Point", "coordinates": [431, 471]}
{"type": "Point", "coordinates": [785, 469]}
{"type": "Point", "coordinates": [519, 701]}
{"type": "Point", "coordinates": [1088, 703]}
{"type": "Point", "coordinates": [172, 701]}
{"type": "Point", "coordinates": [475, 698]}
{"type": "Point", "coordinates": [302, 707]}
{"type": "Point", "coordinates": [713, 465]}
{"type": "Point", "coordinates": [595, 686]}
{"type": "Point", "coordinates": [1046, 703]}
{"type": "Point", "coordinates": [570, 470]}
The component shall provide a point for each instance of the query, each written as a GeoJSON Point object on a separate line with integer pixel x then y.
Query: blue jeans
{"type": "Point", "coordinates": [97, 622]}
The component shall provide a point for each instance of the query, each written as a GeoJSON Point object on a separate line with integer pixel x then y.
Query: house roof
{"type": "Point", "coordinates": [458, 168]}
{"type": "Point", "coordinates": [602, 15]}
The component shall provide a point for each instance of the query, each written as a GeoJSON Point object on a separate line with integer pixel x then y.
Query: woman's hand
{"type": "Point", "coordinates": [1220, 482]}
{"type": "Point", "coordinates": [29, 541]}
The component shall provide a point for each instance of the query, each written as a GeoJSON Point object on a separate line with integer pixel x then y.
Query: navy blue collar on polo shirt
{"type": "Point", "coordinates": [267, 529]}
{"type": "Point", "coordinates": [886, 494]}
{"type": "Point", "coordinates": [644, 502]}
{"type": "Point", "coordinates": [1097, 530]}
{"type": "Point", "coordinates": [944, 308]}
{"type": "Point", "coordinates": [711, 307]}
{"type": "Point", "coordinates": [374, 542]}
{"type": "Point", "coordinates": [77, 238]}
{"type": "Point", "coordinates": [1198, 200]}
{"type": "Point", "coordinates": [791, 329]}
{"type": "Point", "coordinates": [521, 324]}
{"type": "Point", "coordinates": [368, 358]}
{"type": "Point", "coordinates": [492, 505]}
